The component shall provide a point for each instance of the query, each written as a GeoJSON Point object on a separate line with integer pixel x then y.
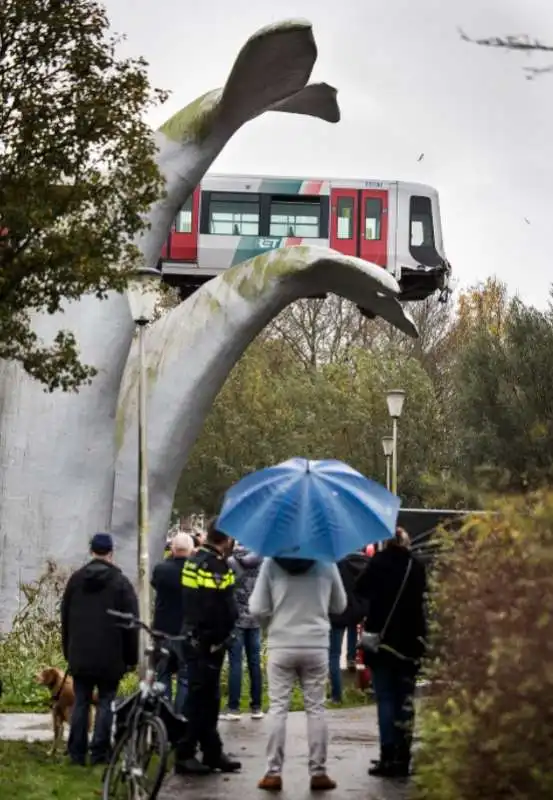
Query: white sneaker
{"type": "Point", "coordinates": [230, 716]}
{"type": "Point", "coordinates": [257, 713]}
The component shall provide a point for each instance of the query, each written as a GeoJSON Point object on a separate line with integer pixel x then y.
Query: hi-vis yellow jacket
{"type": "Point", "coordinates": [210, 608]}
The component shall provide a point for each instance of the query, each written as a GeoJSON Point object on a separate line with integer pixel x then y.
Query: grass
{"type": "Point", "coordinates": [41, 702]}
{"type": "Point", "coordinates": [28, 773]}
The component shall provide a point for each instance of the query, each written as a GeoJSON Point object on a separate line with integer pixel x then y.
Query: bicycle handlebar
{"type": "Point", "coordinates": [134, 622]}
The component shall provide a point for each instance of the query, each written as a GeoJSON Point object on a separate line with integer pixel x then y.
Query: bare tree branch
{"type": "Point", "coordinates": [520, 43]}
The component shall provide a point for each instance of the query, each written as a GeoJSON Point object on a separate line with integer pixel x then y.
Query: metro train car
{"type": "Point", "coordinates": [230, 219]}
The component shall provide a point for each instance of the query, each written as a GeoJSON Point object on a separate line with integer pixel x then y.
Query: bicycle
{"type": "Point", "coordinates": [145, 725]}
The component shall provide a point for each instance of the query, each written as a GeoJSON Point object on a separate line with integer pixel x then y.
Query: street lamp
{"type": "Point", "coordinates": [395, 399]}
{"type": "Point", "coordinates": [388, 448]}
{"type": "Point", "coordinates": [143, 294]}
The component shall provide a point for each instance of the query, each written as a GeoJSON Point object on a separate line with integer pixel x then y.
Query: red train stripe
{"type": "Point", "coordinates": [312, 187]}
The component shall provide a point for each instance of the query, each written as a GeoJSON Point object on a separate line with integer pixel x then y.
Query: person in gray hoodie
{"type": "Point", "coordinates": [293, 598]}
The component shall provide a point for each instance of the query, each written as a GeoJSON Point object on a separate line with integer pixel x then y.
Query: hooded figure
{"type": "Point", "coordinates": [98, 652]}
{"type": "Point", "coordinates": [294, 597]}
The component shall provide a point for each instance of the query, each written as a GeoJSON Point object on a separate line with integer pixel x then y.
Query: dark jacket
{"type": "Point", "coordinates": [93, 645]}
{"type": "Point", "coordinates": [351, 568]}
{"type": "Point", "coordinates": [210, 611]}
{"type": "Point", "coordinates": [294, 566]}
{"type": "Point", "coordinates": [169, 603]}
{"type": "Point", "coordinates": [379, 584]}
{"type": "Point", "coordinates": [246, 566]}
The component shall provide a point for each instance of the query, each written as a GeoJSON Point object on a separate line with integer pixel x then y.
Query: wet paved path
{"type": "Point", "coordinates": [353, 743]}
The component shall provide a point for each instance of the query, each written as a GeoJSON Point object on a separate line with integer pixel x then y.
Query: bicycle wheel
{"type": "Point", "coordinates": [118, 783]}
{"type": "Point", "coordinates": [151, 748]}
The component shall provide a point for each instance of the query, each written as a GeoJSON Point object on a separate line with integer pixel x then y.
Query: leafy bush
{"type": "Point", "coordinates": [34, 641]}
{"type": "Point", "coordinates": [487, 726]}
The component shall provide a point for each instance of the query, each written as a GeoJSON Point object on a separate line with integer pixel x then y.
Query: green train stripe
{"type": "Point", "coordinates": [251, 246]}
{"type": "Point", "coordinates": [280, 187]}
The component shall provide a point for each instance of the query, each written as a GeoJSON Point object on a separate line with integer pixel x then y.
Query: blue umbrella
{"type": "Point", "coordinates": [321, 510]}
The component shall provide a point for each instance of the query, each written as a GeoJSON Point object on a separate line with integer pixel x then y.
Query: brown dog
{"type": "Point", "coordinates": [62, 694]}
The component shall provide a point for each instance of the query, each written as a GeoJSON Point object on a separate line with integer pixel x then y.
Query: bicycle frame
{"type": "Point", "coordinates": [150, 697]}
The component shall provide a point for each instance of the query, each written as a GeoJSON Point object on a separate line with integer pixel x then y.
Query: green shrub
{"type": "Point", "coordinates": [34, 641]}
{"type": "Point", "coordinates": [487, 725]}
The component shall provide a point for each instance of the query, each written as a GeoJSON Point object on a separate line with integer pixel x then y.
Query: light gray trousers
{"type": "Point", "coordinates": [310, 668]}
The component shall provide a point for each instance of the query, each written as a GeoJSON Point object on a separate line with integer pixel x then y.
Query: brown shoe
{"type": "Point", "coordinates": [322, 783]}
{"type": "Point", "coordinates": [271, 783]}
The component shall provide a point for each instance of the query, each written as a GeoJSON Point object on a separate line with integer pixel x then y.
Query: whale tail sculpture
{"type": "Point", "coordinates": [59, 451]}
{"type": "Point", "coordinates": [191, 351]}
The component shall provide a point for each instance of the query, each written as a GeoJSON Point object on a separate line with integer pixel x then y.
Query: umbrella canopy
{"type": "Point", "coordinates": [320, 510]}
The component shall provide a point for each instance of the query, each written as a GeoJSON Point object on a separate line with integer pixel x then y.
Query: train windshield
{"type": "Point", "coordinates": [422, 243]}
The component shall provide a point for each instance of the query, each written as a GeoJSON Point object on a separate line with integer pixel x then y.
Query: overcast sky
{"type": "Point", "coordinates": [407, 84]}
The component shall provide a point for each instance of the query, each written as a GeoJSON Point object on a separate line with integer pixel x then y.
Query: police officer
{"type": "Point", "coordinates": [210, 615]}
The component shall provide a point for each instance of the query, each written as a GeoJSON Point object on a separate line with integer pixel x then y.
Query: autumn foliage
{"type": "Point", "coordinates": [487, 727]}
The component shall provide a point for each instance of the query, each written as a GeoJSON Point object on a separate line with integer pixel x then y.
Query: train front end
{"type": "Point", "coordinates": [421, 266]}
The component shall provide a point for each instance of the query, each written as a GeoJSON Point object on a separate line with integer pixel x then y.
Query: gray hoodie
{"type": "Point", "coordinates": [294, 598]}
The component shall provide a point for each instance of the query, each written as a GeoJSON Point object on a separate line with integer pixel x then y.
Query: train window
{"type": "Point", "coordinates": [422, 242]}
{"type": "Point", "coordinates": [234, 214]}
{"type": "Point", "coordinates": [183, 222]}
{"type": "Point", "coordinates": [422, 225]}
{"type": "Point", "coordinates": [298, 218]}
{"type": "Point", "coordinates": [344, 218]}
{"type": "Point", "coordinates": [373, 218]}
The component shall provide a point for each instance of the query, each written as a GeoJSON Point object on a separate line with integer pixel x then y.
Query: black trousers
{"type": "Point", "coordinates": [100, 747]}
{"type": "Point", "coordinates": [202, 708]}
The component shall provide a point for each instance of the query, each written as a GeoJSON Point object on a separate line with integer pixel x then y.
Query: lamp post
{"type": "Point", "coordinates": [395, 399]}
{"type": "Point", "coordinates": [388, 448]}
{"type": "Point", "coordinates": [143, 294]}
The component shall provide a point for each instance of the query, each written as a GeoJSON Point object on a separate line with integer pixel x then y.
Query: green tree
{"type": "Point", "coordinates": [271, 408]}
{"type": "Point", "coordinates": [505, 400]}
{"type": "Point", "coordinates": [77, 172]}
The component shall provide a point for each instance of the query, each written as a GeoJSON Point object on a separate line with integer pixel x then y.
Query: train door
{"type": "Point", "coordinates": [373, 238]}
{"type": "Point", "coordinates": [344, 221]}
{"type": "Point", "coordinates": [183, 239]}
{"type": "Point", "coordinates": [359, 224]}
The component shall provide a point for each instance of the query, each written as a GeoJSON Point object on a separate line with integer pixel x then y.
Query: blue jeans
{"type": "Point", "coordinates": [100, 748]}
{"type": "Point", "coordinates": [334, 654]}
{"type": "Point", "coordinates": [248, 639]}
{"type": "Point", "coordinates": [175, 665]}
{"type": "Point", "coordinates": [394, 688]}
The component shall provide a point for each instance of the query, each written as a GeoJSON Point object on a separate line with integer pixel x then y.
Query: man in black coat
{"type": "Point", "coordinates": [98, 652]}
{"type": "Point", "coordinates": [169, 613]}
{"type": "Point", "coordinates": [394, 585]}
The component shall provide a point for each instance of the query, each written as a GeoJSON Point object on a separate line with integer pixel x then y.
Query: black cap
{"type": "Point", "coordinates": [101, 544]}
